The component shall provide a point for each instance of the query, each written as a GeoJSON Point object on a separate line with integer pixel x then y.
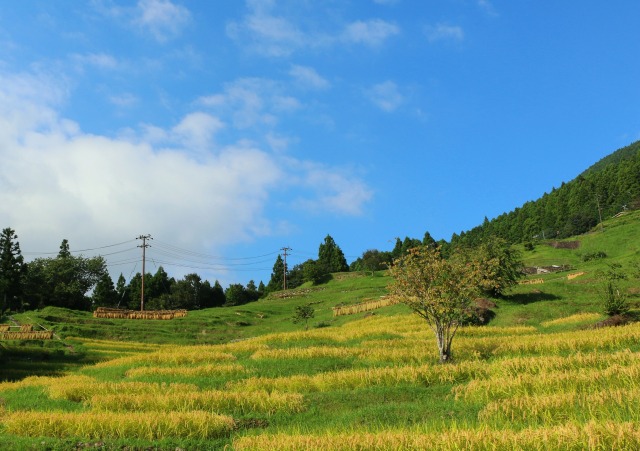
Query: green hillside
{"type": "Point", "coordinates": [525, 304]}
{"type": "Point", "coordinates": [547, 372]}
{"type": "Point", "coordinates": [539, 375]}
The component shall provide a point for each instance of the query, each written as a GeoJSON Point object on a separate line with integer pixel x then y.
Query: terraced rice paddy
{"type": "Point", "coordinates": [372, 384]}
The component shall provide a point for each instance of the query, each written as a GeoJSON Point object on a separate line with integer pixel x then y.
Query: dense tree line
{"type": "Point", "coordinates": [82, 283]}
{"type": "Point", "coordinates": [330, 260]}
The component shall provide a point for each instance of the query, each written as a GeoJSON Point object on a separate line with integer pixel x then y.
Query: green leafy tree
{"type": "Point", "coordinates": [277, 275]}
{"type": "Point", "coordinates": [157, 285]}
{"type": "Point", "coordinates": [373, 260]}
{"type": "Point", "coordinates": [12, 271]}
{"type": "Point", "coordinates": [498, 265]}
{"type": "Point", "coordinates": [252, 291]}
{"type": "Point", "coordinates": [313, 272]}
{"type": "Point", "coordinates": [438, 290]}
{"type": "Point", "coordinates": [615, 300]}
{"type": "Point", "coordinates": [63, 281]}
{"type": "Point", "coordinates": [121, 290]}
{"type": "Point", "coordinates": [295, 276]}
{"type": "Point", "coordinates": [64, 249]}
{"type": "Point", "coordinates": [397, 249]}
{"type": "Point", "coordinates": [302, 314]}
{"type": "Point", "coordinates": [236, 294]}
{"type": "Point", "coordinates": [187, 293]}
{"type": "Point", "coordinates": [330, 256]}
{"type": "Point", "coordinates": [428, 240]}
{"type": "Point", "coordinates": [213, 296]}
{"type": "Point", "coordinates": [104, 293]}
{"type": "Point", "coordinates": [134, 290]}
{"type": "Point", "coordinates": [402, 247]}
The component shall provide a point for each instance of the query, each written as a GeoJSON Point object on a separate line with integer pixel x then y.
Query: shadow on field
{"type": "Point", "coordinates": [20, 360]}
{"type": "Point", "coordinates": [528, 298]}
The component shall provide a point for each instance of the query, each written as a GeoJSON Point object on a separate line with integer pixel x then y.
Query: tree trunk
{"type": "Point", "coordinates": [444, 346]}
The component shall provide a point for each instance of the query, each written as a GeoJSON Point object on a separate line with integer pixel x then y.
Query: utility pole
{"type": "Point", "coordinates": [284, 282]}
{"type": "Point", "coordinates": [144, 246]}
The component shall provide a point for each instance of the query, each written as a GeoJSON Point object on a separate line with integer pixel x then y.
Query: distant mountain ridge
{"type": "Point", "coordinates": [601, 191]}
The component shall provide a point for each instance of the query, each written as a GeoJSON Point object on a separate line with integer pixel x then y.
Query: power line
{"type": "Point", "coordinates": [180, 250]}
{"type": "Point", "coordinates": [169, 254]}
{"type": "Point", "coordinates": [80, 250]}
{"type": "Point", "coordinates": [209, 267]}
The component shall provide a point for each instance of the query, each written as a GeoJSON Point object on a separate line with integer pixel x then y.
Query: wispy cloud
{"type": "Point", "coordinates": [444, 32]}
{"type": "Point", "coordinates": [335, 191]}
{"type": "Point", "coordinates": [308, 77]}
{"type": "Point", "coordinates": [262, 30]}
{"type": "Point", "coordinates": [386, 96]}
{"type": "Point", "coordinates": [372, 32]}
{"type": "Point", "coordinates": [124, 100]}
{"type": "Point", "coordinates": [266, 33]}
{"type": "Point", "coordinates": [164, 19]}
{"type": "Point", "coordinates": [488, 7]}
{"type": "Point", "coordinates": [99, 60]}
{"type": "Point", "coordinates": [252, 101]}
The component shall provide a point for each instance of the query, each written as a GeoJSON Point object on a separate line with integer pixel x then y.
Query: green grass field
{"type": "Point", "coordinates": [539, 376]}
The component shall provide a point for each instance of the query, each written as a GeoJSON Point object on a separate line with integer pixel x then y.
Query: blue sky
{"type": "Point", "coordinates": [229, 129]}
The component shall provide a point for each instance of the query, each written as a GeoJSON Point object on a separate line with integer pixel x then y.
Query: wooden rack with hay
{"type": "Point", "coordinates": [23, 332]}
{"type": "Point", "coordinates": [113, 313]}
{"type": "Point", "coordinates": [364, 306]}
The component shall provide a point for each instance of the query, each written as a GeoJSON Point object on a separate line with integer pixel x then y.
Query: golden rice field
{"type": "Point", "coordinates": [372, 384]}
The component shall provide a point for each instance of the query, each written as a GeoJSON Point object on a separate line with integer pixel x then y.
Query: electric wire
{"type": "Point", "coordinates": [80, 250]}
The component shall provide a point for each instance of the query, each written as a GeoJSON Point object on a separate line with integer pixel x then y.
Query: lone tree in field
{"type": "Point", "coordinates": [437, 289]}
{"type": "Point", "coordinates": [303, 314]}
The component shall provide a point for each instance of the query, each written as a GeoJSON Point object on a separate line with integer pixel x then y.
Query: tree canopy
{"type": "Point", "coordinates": [437, 289]}
{"type": "Point", "coordinates": [330, 256]}
{"type": "Point", "coordinates": [12, 271]}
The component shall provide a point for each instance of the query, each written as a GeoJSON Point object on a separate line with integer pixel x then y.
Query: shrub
{"type": "Point", "coordinates": [615, 302]}
{"type": "Point", "coordinates": [594, 256]}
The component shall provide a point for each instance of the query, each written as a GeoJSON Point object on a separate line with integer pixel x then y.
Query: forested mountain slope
{"type": "Point", "coordinates": [603, 190]}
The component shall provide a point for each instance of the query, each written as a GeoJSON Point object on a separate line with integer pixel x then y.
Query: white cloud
{"type": "Point", "coordinates": [266, 33]}
{"type": "Point", "coordinates": [100, 60]}
{"type": "Point", "coordinates": [57, 182]}
{"type": "Point", "coordinates": [488, 7]}
{"type": "Point", "coordinates": [196, 131]}
{"type": "Point", "coordinates": [335, 191]}
{"type": "Point", "coordinates": [443, 32]}
{"type": "Point", "coordinates": [164, 19]}
{"type": "Point", "coordinates": [60, 183]}
{"type": "Point", "coordinates": [372, 32]}
{"type": "Point", "coordinates": [308, 77]}
{"type": "Point", "coordinates": [124, 100]}
{"type": "Point", "coordinates": [252, 101]}
{"type": "Point", "coordinates": [386, 96]}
